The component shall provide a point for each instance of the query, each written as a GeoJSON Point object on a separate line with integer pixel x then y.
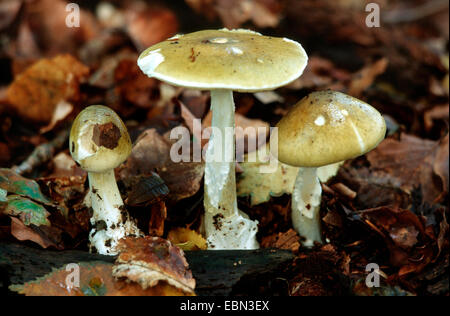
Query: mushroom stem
{"type": "Point", "coordinates": [109, 222]}
{"type": "Point", "coordinates": [306, 206]}
{"type": "Point", "coordinates": [225, 226]}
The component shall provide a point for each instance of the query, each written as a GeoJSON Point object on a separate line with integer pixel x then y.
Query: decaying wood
{"type": "Point", "coordinates": [216, 272]}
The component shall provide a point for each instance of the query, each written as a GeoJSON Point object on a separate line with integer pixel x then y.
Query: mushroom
{"type": "Point", "coordinates": [224, 61]}
{"type": "Point", "coordinates": [99, 142]}
{"type": "Point", "coordinates": [323, 128]}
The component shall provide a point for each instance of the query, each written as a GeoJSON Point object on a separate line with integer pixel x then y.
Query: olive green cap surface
{"type": "Point", "coordinates": [239, 60]}
{"type": "Point", "coordinates": [327, 127]}
{"type": "Point", "coordinates": [99, 140]}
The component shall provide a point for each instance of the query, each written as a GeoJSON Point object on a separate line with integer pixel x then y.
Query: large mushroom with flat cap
{"type": "Point", "coordinates": [323, 128]}
{"type": "Point", "coordinates": [224, 61]}
{"type": "Point", "coordinates": [99, 142]}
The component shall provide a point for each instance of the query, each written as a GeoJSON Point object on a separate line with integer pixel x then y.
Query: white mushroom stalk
{"type": "Point", "coordinates": [99, 142]}
{"type": "Point", "coordinates": [110, 221]}
{"type": "Point", "coordinates": [226, 227]}
{"type": "Point", "coordinates": [306, 199]}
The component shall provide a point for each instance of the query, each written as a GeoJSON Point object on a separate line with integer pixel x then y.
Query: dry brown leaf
{"type": "Point", "coordinates": [413, 161]}
{"type": "Point", "coordinates": [158, 212]}
{"type": "Point", "coordinates": [234, 13]}
{"type": "Point", "coordinates": [404, 234]}
{"type": "Point", "coordinates": [35, 234]}
{"type": "Point", "coordinates": [47, 21]}
{"type": "Point", "coordinates": [289, 240]}
{"type": "Point", "coordinates": [149, 25]}
{"type": "Point", "coordinates": [8, 12]}
{"type": "Point", "coordinates": [319, 73]}
{"type": "Point", "coordinates": [95, 280]}
{"type": "Point", "coordinates": [152, 152]}
{"type": "Point", "coordinates": [65, 166]}
{"type": "Point", "coordinates": [36, 92]}
{"type": "Point", "coordinates": [439, 112]}
{"type": "Point", "coordinates": [132, 85]}
{"type": "Point", "coordinates": [149, 260]}
{"type": "Point", "coordinates": [364, 78]}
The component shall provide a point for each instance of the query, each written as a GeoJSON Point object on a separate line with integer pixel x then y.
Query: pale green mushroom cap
{"type": "Point", "coordinates": [238, 60]}
{"type": "Point", "coordinates": [326, 127]}
{"type": "Point", "coordinates": [99, 140]}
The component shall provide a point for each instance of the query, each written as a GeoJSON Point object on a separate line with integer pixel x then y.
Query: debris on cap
{"type": "Point", "coordinates": [148, 260]}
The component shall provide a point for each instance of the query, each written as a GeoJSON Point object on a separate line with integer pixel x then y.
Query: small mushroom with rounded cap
{"type": "Point", "coordinates": [323, 128]}
{"type": "Point", "coordinates": [224, 61]}
{"type": "Point", "coordinates": [99, 142]}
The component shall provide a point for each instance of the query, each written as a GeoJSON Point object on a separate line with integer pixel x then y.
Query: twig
{"type": "Point", "coordinates": [42, 153]}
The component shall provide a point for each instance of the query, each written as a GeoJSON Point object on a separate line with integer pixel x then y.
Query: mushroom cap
{"type": "Point", "coordinates": [238, 60]}
{"type": "Point", "coordinates": [99, 140]}
{"type": "Point", "coordinates": [326, 127]}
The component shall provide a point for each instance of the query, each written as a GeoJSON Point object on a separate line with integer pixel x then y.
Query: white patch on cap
{"type": "Point", "coordinates": [82, 152]}
{"type": "Point", "coordinates": [234, 50]}
{"type": "Point", "coordinates": [259, 60]}
{"type": "Point", "coordinates": [344, 112]}
{"type": "Point", "coordinates": [358, 136]}
{"type": "Point", "coordinates": [150, 62]}
{"type": "Point", "coordinates": [219, 40]}
{"type": "Point", "coordinates": [175, 37]}
{"type": "Point", "coordinates": [320, 121]}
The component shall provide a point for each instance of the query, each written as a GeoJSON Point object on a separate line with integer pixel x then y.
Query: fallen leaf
{"type": "Point", "coordinates": [28, 211]}
{"type": "Point", "coordinates": [48, 23]}
{"type": "Point", "coordinates": [3, 194]}
{"type": "Point", "coordinates": [132, 85]}
{"type": "Point", "coordinates": [8, 12]}
{"type": "Point", "coordinates": [65, 166]}
{"type": "Point", "coordinates": [234, 13]}
{"type": "Point", "coordinates": [151, 152]}
{"type": "Point", "coordinates": [145, 189]}
{"type": "Point", "coordinates": [44, 238]}
{"type": "Point", "coordinates": [148, 25]}
{"type": "Point", "coordinates": [289, 240]}
{"type": "Point", "coordinates": [149, 260]}
{"type": "Point", "coordinates": [36, 92]}
{"type": "Point", "coordinates": [14, 183]}
{"type": "Point", "coordinates": [158, 217]}
{"type": "Point", "coordinates": [405, 236]}
{"type": "Point", "coordinates": [187, 239]}
{"type": "Point", "coordinates": [440, 112]}
{"type": "Point", "coordinates": [364, 78]}
{"type": "Point", "coordinates": [412, 161]}
{"type": "Point", "coordinates": [95, 280]}
{"type": "Point", "coordinates": [319, 73]}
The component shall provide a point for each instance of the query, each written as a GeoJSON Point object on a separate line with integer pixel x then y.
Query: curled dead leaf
{"type": "Point", "coordinates": [149, 260]}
